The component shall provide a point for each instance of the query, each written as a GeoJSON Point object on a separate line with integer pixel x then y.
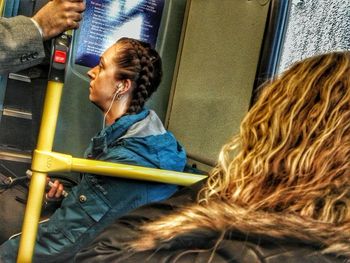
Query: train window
{"type": "Point", "coordinates": [297, 29]}
{"type": "Point", "coordinates": [314, 27]}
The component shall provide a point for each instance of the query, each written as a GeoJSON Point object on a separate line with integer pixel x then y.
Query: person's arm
{"type": "Point", "coordinates": [21, 45]}
{"type": "Point", "coordinates": [21, 38]}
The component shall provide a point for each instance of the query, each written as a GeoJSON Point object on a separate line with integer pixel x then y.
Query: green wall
{"type": "Point", "coordinates": [217, 66]}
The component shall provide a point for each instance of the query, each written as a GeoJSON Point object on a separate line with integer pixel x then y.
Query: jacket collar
{"type": "Point", "coordinates": [150, 125]}
{"type": "Point", "coordinates": [115, 131]}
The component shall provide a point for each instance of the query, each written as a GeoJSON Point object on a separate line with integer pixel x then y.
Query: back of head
{"type": "Point", "coordinates": [294, 145]}
{"type": "Point", "coordinates": [141, 64]}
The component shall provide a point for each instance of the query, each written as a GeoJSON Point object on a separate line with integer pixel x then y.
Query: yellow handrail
{"type": "Point", "coordinates": [45, 162]}
{"type": "Point", "coordinates": [134, 172]}
{"type": "Point", "coordinates": [2, 4]}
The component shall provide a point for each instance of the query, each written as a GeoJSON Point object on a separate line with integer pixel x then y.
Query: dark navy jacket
{"type": "Point", "coordinates": [200, 245]}
{"type": "Point", "coordinates": [98, 200]}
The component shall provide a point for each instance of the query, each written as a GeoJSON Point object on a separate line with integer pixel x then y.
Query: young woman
{"type": "Point", "coordinates": [127, 75]}
{"type": "Point", "coordinates": [280, 191]}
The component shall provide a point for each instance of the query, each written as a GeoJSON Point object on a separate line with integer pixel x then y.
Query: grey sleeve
{"type": "Point", "coordinates": [21, 45]}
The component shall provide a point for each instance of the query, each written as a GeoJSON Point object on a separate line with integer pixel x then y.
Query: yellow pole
{"type": "Point", "coordinates": [134, 172]}
{"type": "Point", "coordinates": [38, 180]}
{"type": "Point", "coordinates": [2, 4]}
{"type": "Point", "coordinates": [46, 162]}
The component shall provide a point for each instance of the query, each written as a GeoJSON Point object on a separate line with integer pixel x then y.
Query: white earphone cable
{"type": "Point", "coordinates": [110, 107]}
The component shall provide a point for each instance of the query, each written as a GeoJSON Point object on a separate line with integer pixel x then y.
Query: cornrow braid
{"type": "Point", "coordinates": [141, 64]}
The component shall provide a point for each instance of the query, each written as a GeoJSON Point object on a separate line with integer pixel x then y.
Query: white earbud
{"type": "Point", "coordinates": [120, 85]}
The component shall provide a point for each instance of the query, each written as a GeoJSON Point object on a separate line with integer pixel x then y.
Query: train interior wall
{"type": "Point", "coordinates": [216, 70]}
{"type": "Point", "coordinates": [79, 119]}
{"type": "Point", "coordinates": [210, 52]}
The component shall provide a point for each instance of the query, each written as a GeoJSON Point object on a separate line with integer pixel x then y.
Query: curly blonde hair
{"type": "Point", "coordinates": [290, 163]}
{"type": "Point", "coordinates": [293, 149]}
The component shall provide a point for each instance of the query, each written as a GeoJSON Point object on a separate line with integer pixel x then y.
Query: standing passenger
{"type": "Point", "coordinates": [127, 75]}
{"type": "Point", "coordinates": [21, 38]}
{"type": "Point", "coordinates": [21, 47]}
{"type": "Point", "coordinates": [280, 191]}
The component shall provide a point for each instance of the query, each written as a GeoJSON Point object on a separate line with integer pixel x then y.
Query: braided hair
{"type": "Point", "coordinates": [140, 63]}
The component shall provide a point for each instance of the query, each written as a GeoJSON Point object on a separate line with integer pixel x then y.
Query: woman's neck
{"type": "Point", "coordinates": [118, 109]}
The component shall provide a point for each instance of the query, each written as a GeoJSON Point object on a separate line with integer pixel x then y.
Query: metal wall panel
{"type": "Point", "coordinates": [216, 73]}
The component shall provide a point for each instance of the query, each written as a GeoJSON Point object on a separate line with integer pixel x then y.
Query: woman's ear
{"type": "Point", "coordinates": [124, 86]}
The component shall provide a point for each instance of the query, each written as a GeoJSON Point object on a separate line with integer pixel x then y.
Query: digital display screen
{"type": "Point", "coordinates": [105, 21]}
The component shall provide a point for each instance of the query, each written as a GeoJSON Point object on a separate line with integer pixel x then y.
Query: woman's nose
{"type": "Point", "coordinates": [92, 73]}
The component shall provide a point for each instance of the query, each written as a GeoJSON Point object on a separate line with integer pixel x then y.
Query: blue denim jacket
{"type": "Point", "coordinates": [98, 200]}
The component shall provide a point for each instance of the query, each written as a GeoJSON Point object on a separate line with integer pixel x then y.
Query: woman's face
{"type": "Point", "coordinates": [103, 83]}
